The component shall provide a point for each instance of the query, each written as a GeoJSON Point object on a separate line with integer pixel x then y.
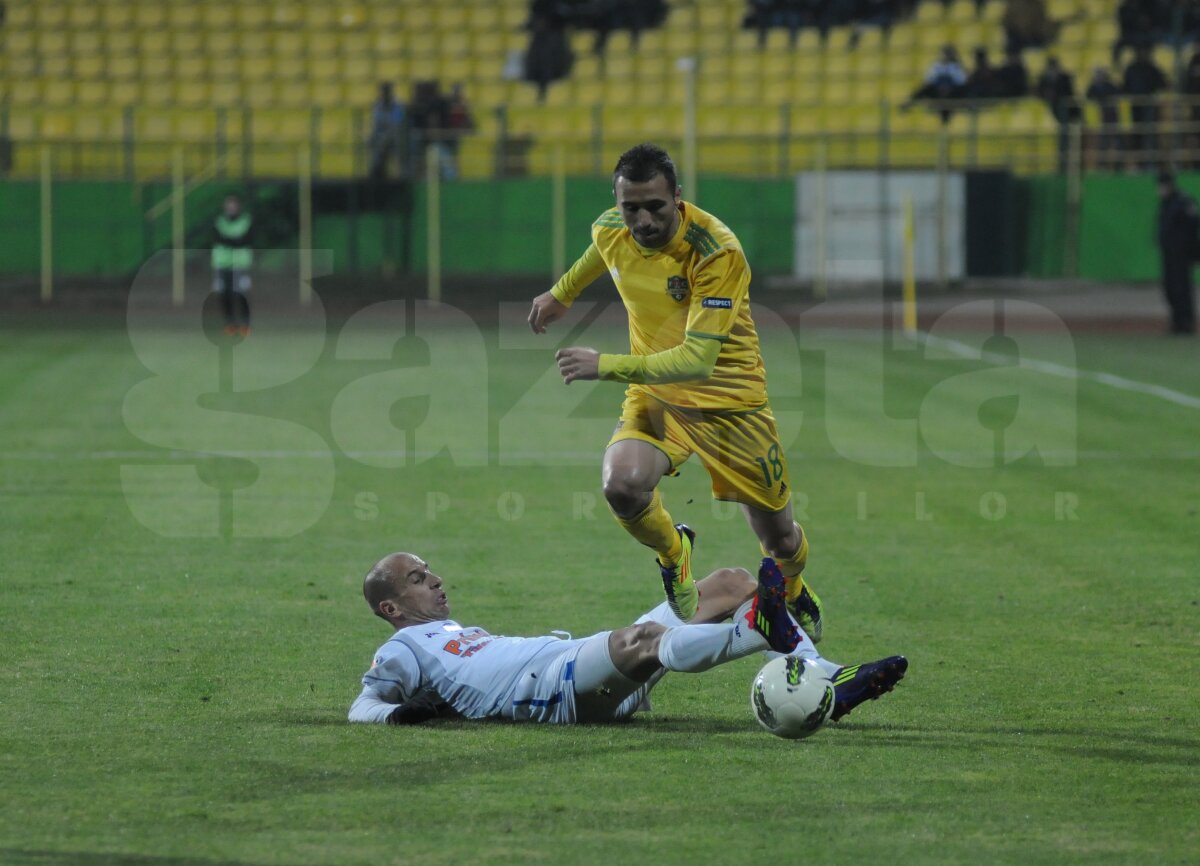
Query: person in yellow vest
{"type": "Point", "coordinates": [232, 257]}
{"type": "Point", "coordinates": [696, 379]}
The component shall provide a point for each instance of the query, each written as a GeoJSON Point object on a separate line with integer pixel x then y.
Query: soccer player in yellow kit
{"type": "Point", "coordinates": [695, 375]}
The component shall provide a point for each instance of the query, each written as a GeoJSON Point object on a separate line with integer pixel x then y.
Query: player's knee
{"type": "Point", "coordinates": [737, 582]}
{"type": "Point", "coordinates": [728, 588]}
{"type": "Point", "coordinates": [625, 497]}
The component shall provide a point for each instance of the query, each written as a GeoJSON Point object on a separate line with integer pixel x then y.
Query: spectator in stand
{"type": "Point", "coordinates": [549, 56]}
{"type": "Point", "coordinates": [1103, 92]}
{"type": "Point", "coordinates": [387, 134]}
{"type": "Point", "coordinates": [1026, 25]}
{"type": "Point", "coordinates": [945, 80]}
{"type": "Point", "coordinates": [428, 124]}
{"type": "Point", "coordinates": [1178, 225]}
{"type": "Point", "coordinates": [1012, 79]}
{"type": "Point", "coordinates": [1143, 82]}
{"type": "Point", "coordinates": [458, 123]}
{"type": "Point", "coordinates": [982, 83]}
{"type": "Point", "coordinates": [1056, 88]}
{"type": "Point", "coordinates": [1135, 23]}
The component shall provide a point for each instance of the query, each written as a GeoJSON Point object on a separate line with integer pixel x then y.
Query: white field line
{"type": "Point", "coordinates": [1051, 369]}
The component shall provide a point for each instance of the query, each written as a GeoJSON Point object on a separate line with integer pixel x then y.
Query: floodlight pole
{"type": "Point", "coordinates": [687, 65]}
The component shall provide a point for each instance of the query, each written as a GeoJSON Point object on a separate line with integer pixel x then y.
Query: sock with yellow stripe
{"type": "Point", "coordinates": [793, 567]}
{"type": "Point", "coordinates": [653, 528]}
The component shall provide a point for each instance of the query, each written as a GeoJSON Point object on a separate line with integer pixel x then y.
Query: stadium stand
{"type": "Point", "coordinates": [119, 82]}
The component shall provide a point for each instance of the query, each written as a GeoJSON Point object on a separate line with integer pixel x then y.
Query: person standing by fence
{"type": "Point", "coordinates": [232, 256]}
{"type": "Point", "coordinates": [1178, 227]}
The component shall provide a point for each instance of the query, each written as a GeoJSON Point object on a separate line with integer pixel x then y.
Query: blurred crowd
{"type": "Point", "coordinates": [402, 134]}
{"type": "Point", "coordinates": [549, 56]}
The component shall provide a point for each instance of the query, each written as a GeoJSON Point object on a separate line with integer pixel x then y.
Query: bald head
{"type": "Point", "coordinates": [401, 589]}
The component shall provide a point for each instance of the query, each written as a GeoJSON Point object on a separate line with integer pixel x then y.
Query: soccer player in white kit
{"type": "Point", "coordinates": [433, 666]}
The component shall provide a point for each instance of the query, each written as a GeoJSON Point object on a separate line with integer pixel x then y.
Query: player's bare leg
{"type": "Point", "coordinates": [631, 472]}
{"type": "Point", "coordinates": [782, 539]}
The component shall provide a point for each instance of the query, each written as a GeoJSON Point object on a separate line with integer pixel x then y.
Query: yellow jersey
{"type": "Point", "coordinates": [697, 285]}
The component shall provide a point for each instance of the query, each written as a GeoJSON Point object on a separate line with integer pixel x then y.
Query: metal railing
{"type": "Point", "coordinates": [1021, 136]}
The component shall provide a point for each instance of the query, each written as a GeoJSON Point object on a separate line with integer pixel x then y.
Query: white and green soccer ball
{"type": "Point", "coordinates": [791, 697]}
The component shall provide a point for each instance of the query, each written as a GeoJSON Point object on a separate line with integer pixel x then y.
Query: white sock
{"type": "Point", "coordinates": [804, 649]}
{"type": "Point", "coordinates": [663, 615]}
{"type": "Point", "coordinates": [696, 648]}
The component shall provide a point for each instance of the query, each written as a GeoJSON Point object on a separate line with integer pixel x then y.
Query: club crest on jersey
{"type": "Point", "coordinates": [677, 287]}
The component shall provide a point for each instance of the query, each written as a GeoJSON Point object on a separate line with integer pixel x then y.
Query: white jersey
{"type": "Point", "coordinates": [477, 673]}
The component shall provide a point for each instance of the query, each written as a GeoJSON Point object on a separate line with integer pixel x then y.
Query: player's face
{"type": "Point", "coordinates": [232, 207]}
{"type": "Point", "coordinates": [650, 209]}
{"type": "Point", "coordinates": [420, 595]}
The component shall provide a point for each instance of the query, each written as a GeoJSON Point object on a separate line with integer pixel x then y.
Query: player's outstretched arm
{"type": "Point", "coordinates": [692, 360]}
{"type": "Point", "coordinates": [553, 305]}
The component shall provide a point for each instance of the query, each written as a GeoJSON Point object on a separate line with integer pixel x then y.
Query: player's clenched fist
{"type": "Point", "coordinates": [546, 309]}
{"type": "Point", "coordinates": [578, 363]}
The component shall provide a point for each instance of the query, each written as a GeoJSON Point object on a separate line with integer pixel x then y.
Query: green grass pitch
{"type": "Point", "coordinates": [174, 689]}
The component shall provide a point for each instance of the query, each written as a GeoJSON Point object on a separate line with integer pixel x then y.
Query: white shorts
{"type": "Point", "coordinates": [578, 684]}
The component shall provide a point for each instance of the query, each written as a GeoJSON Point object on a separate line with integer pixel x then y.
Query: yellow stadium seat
{"type": "Point", "coordinates": [51, 15]}
{"type": "Point", "coordinates": [156, 67]}
{"type": "Point", "coordinates": [191, 67]}
{"type": "Point", "coordinates": [349, 17]}
{"type": "Point", "coordinates": [51, 43]}
{"type": "Point", "coordinates": [483, 18]}
{"type": "Point", "coordinates": [57, 124]}
{"type": "Point", "coordinates": [55, 66]}
{"type": "Point", "coordinates": [26, 91]}
{"type": "Point", "coordinates": [292, 94]}
{"type": "Point", "coordinates": [19, 42]}
{"type": "Point", "coordinates": [291, 67]}
{"type": "Point", "coordinates": [158, 92]}
{"type": "Point", "coordinates": [216, 15]}
{"type": "Point", "coordinates": [386, 43]}
{"type": "Point", "coordinates": [930, 12]}
{"type": "Point", "coordinates": [85, 42]}
{"type": "Point", "coordinates": [287, 43]}
{"type": "Point", "coordinates": [183, 16]}
{"type": "Point", "coordinates": [257, 16]}
{"type": "Point", "coordinates": [256, 67]}
{"type": "Point", "coordinates": [327, 94]}
{"type": "Point", "coordinates": [259, 94]}
{"type": "Point", "coordinates": [226, 93]}
{"type": "Point", "coordinates": [117, 16]}
{"type": "Point", "coordinates": [126, 92]}
{"type": "Point", "coordinates": [57, 92]}
{"type": "Point", "coordinates": [21, 66]}
{"type": "Point", "coordinates": [150, 16]}
{"type": "Point", "coordinates": [193, 93]}
{"type": "Point", "coordinates": [92, 93]}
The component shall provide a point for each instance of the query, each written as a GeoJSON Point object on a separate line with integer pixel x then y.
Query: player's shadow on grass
{"type": "Point", "coordinates": [23, 857]}
{"type": "Point", "coordinates": [1145, 749]}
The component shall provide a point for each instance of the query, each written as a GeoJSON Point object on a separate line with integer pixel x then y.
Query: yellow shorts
{"type": "Point", "coordinates": [740, 450]}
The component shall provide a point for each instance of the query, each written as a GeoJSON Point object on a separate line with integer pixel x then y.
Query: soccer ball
{"type": "Point", "coordinates": [791, 697]}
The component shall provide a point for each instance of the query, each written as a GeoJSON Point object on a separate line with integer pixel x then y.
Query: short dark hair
{"type": "Point", "coordinates": [1166, 177]}
{"type": "Point", "coordinates": [644, 162]}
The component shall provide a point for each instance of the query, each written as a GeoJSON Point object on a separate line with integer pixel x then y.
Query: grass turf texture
{"type": "Point", "coordinates": [182, 700]}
